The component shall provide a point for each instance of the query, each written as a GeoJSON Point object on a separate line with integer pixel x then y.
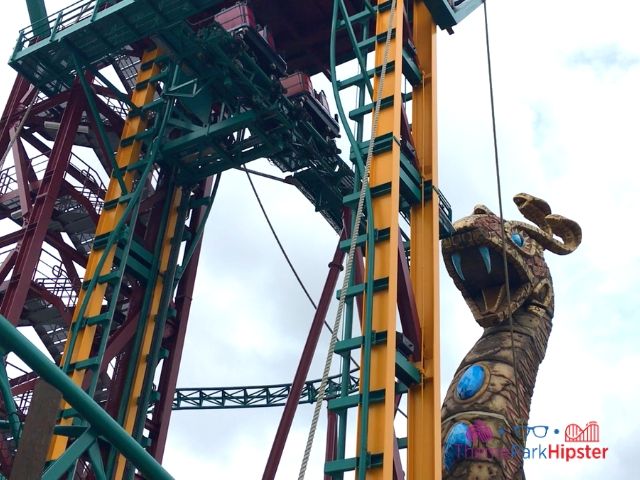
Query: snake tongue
{"type": "Point", "coordinates": [493, 297]}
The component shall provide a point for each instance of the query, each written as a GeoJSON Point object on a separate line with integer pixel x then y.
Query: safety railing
{"type": "Point", "coordinates": [89, 185]}
{"type": "Point", "coordinates": [52, 275]}
{"type": "Point", "coordinates": [60, 20]}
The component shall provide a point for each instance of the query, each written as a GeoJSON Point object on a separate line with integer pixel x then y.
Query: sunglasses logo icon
{"type": "Point", "coordinates": [523, 431]}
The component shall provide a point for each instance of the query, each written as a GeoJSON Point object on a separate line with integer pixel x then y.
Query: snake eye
{"type": "Point", "coordinates": [517, 239]}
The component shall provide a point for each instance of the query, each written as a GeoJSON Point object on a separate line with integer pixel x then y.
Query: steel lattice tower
{"type": "Point", "coordinates": [103, 252]}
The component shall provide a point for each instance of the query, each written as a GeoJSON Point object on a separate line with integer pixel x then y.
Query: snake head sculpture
{"type": "Point", "coordinates": [486, 408]}
{"type": "Point", "coordinates": [475, 259]}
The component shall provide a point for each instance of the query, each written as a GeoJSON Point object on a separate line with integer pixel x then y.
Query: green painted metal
{"type": "Point", "coordinates": [357, 155]}
{"type": "Point", "coordinates": [447, 15]}
{"type": "Point", "coordinates": [91, 101]}
{"type": "Point", "coordinates": [11, 340]}
{"type": "Point", "coordinates": [38, 16]}
{"type": "Point", "coordinates": [13, 422]}
{"type": "Point", "coordinates": [154, 356]}
{"type": "Point", "coordinates": [217, 398]}
{"type": "Point", "coordinates": [67, 461]}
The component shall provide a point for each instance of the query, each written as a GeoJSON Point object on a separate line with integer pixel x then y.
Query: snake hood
{"type": "Point", "coordinates": [474, 258]}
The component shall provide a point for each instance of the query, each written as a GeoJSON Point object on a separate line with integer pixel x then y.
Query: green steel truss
{"type": "Point", "coordinates": [216, 398]}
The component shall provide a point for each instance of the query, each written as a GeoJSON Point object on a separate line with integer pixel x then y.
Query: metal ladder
{"type": "Point", "coordinates": [400, 185]}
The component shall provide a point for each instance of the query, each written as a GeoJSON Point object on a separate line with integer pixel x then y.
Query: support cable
{"type": "Point", "coordinates": [275, 235]}
{"type": "Point", "coordinates": [502, 232]}
{"type": "Point", "coordinates": [352, 248]}
{"type": "Point", "coordinates": [284, 252]}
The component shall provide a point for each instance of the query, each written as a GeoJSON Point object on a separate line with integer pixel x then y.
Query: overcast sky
{"type": "Point", "coordinates": [566, 79]}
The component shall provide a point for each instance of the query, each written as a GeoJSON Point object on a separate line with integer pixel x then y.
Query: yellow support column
{"type": "Point", "coordinates": [385, 170]}
{"type": "Point", "coordinates": [109, 218]}
{"type": "Point", "coordinates": [424, 455]}
{"type": "Point", "coordinates": [149, 326]}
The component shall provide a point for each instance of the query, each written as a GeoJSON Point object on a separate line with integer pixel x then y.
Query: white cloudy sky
{"type": "Point", "coordinates": [566, 78]}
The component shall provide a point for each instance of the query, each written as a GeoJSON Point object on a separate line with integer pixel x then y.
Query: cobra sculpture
{"type": "Point", "coordinates": [486, 408]}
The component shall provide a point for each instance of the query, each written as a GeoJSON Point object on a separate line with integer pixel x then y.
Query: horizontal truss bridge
{"type": "Point", "coordinates": [216, 398]}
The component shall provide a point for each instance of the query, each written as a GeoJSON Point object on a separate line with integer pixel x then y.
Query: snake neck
{"type": "Point", "coordinates": [490, 396]}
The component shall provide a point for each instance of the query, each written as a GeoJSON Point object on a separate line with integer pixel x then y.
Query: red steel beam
{"type": "Point", "coordinates": [335, 267]}
{"type": "Point", "coordinates": [407, 304]}
{"type": "Point", "coordinates": [332, 439]}
{"type": "Point", "coordinates": [18, 91]}
{"type": "Point", "coordinates": [35, 230]}
{"type": "Point", "coordinates": [20, 161]}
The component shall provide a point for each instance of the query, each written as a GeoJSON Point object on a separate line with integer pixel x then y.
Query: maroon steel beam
{"type": "Point", "coordinates": [332, 439]}
{"type": "Point", "coordinates": [19, 89]}
{"type": "Point", "coordinates": [54, 300]}
{"type": "Point", "coordinates": [67, 189]}
{"type": "Point", "coordinates": [171, 365]}
{"type": "Point", "coordinates": [22, 174]}
{"type": "Point", "coordinates": [67, 256]}
{"type": "Point", "coordinates": [11, 238]}
{"type": "Point", "coordinates": [119, 340]}
{"type": "Point", "coordinates": [55, 240]}
{"type": "Point", "coordinates": [407, 304]}
{"type": "Point", "coordinates": [86, 181]}
{"type": "Point", "coordinates": [398, 471]}
{"type": "Point", "coordinates": [35, 230]}
{"type": "Point", "coordinates": [7, 265]}
{"type": "Point", "coordinates": [335, 267]}
{"type": "Point", "coordinates": [23, 383]}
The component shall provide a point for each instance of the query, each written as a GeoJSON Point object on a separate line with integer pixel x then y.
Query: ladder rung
{"type": "Point", "coordinates": [98, 319]}
{"type": "Point", "coordinates": [68, 413]}
{"type": "Point", "coordinates": [110, 277]}
{"type": "Point", "coordinates": [100, 241]}
{"type": "Point", "coordinates": [72, 431]}
{"type": "Point", "coordinates": [139, 165]}
{"type": "Point", "coordinates": [378, 284]}
{"type": "Point", "coordinates": [360, 112]}
{"type": "Point", "coordinates": [406, 372]}
{"type": "Point", "coordinates": [351, 401]}
{"type": "Point", "coordinates": [342, 465]}
{"type": "Point", "coordinates": [382, 234]}
{"type": "Point", "coordinates": [87, 364]}
{"type": "Point", "coordinates": [148, 64]}
{"type": "Point", "coordinates": [352, 199]}
{"type": "Point", "coordinates": [108, 205]}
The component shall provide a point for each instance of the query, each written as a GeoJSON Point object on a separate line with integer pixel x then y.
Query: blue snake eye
{"type": "Point", "coordinates": [517, 239]}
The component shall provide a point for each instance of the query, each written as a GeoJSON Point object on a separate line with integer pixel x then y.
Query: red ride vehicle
{"type": "Point", "coordinates": [298, 87]}
{"type": "Point", "coordinates": [240, 21]}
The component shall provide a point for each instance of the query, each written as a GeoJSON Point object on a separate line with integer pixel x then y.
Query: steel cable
{"type": "Point", "coordinates": [352, 248]}
{"type": "Point", "coordinates": [502, 232]}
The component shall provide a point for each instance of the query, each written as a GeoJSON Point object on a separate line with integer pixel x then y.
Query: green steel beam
{"type": "Point", "coordinates": [14, 422]}
{"type": "Point", "coordinates": [217, 398]}
{"type": "Point", "coordinates": [38, 17]}
{"type": "Point", "coordinates": [11, 340]}
{"type": "Point", "coordinates": [446, 15]}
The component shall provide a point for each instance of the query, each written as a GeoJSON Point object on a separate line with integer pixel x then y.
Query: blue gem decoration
{"type": "Point", "coordinates": [454, 445]}
{"type": "Point", "coordinates": [517, 239]}
{"type": "Point", "coordinates": [470, 382]}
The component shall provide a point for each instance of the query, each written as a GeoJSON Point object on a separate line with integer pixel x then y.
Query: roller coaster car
{"type": "Point", "coordinates": [240, 21]}
{"type": "Point", "coordinates": [298, 87]}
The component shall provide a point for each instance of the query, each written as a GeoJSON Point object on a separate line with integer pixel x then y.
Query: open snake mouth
{"type": "Point", "coordinates": [478, 270]}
